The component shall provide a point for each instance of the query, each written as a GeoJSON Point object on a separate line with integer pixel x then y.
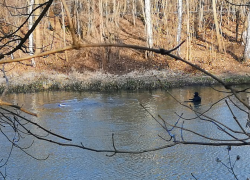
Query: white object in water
{"type": "Point", "coordinates": [63, 105]}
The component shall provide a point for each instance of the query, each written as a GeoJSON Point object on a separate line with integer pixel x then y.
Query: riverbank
{"type": "Point", "coordinates": [100, 81]}
{"type": "Point", "coordinates": [127, 68]}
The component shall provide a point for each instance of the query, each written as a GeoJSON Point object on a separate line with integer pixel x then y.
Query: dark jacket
{"type": "Point", "coordinates": [196, 98]}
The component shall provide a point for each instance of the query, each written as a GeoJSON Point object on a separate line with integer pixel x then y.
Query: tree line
{"type": "Point", "coordinates": [78, 25]}
{"type": "Point", "coordinates": [166, 23]}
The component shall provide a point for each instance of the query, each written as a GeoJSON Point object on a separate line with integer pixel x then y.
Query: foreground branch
{"type": "Point", "coordinates": [2, 103]}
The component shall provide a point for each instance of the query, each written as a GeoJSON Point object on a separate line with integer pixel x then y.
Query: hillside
{"type": "Point", "coordinates": [200, 48]}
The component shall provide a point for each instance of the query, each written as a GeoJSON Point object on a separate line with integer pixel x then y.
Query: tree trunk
{"type": "Point", "coordinates": [78, 8]}
{"type": "Point", "coordinates": [143, 9]}
{"type": "Point", "coordinates": [198, 20]}
{"type": "Point", "coordinates": [64, 33]}
{"type": "Point", "coordinates": [148, 23]}
{"type": "Point", "coordinates": [237, 24]}
{"type": "Point", "coordinates": [134, 11]}
{"type": "Point", "coordinates": [188, 53]}
{"type": "Point", "coordinates": [178, 36]}
{"type": "Point", "coordinates": [37, 30]}
{"type": "Point", "coordinates": [101, 21]}
{"type": "Point", "coordinates": [201, 12]}
{"type": "Point", "coordinates": [102, 33]}
{"type": "Point", "coordinates": [89, 18]}
{"type": "Point", "coordinates": [247, 48]}
{"type": "Point", "coordinates": [31, 3]}
{"type": "Point", "coordinates": [124, 8]}
{"type": "Point", "coordinates": [219, 40]}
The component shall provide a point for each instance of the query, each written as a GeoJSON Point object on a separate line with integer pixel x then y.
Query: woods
{"type": "Point", "coordinates": [105, 34]}
{"type": "Point", "coordinates": [210, 29]}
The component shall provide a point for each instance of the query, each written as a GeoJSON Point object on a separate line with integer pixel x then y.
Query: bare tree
{"type": "Point", "coordinates": [38, 30]}
{"type": "Point", "coordinates": [12, 116]}
{"type": "Point", "coordinates": [246, 34]}
{"type": "Point", "coordinates": [148, 23]}
{"type": "Point", "coordinates": [13, 41]}
{"type": "Point", "coordinates": [179, 28]}
{"type": "Point", "coordinates": [247, 48]}
{"type": "Point", "coordinates": [219, 40]}
{"type": "Point", "coordinates": [31, 46]}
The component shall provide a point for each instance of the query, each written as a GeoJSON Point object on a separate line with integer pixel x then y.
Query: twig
{"type": "Point", "coordinates": [235, 118]}
{"type": "Point", "coordinates": [237, 105]}
{"type": "Point", "coordinates": [31, 30]}
{"type": "Point", "coordinates": [48, 131]}
{"type": "Point", "coordinates": [182, 131]}
{"type": "Point", "coordinates": [194, 176]}
{"type": "Point", "coordinates": [236, 4]}
{"type": "Point", "coordinates": [205, 137]}
{"type": "Point", "coordinates": [7, 82]}
{"type": "Point", "coordinates": [17, 107]}
{"type": "Point", "coordinates": [113, 143]}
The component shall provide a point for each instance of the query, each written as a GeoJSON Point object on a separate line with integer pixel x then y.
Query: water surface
{"type": "Point", "coordinates": [91, 118]}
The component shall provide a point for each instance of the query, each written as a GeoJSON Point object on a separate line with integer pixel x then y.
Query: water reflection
{"type": "Point", "coordinates": [91, 118]}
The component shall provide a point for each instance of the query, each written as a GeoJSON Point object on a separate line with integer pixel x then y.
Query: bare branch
{"type": "Point", "coordinates": [32, 28]}
{"type": "Point", "coordinates": [235, 118]}
{"type": "Point", "coordinates": [237, 4]}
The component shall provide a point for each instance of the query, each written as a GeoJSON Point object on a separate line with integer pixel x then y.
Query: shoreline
{"type": "Point", "coordinates": [100, 81]}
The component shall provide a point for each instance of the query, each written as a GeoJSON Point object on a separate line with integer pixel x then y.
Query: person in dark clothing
{"type": "Point", "coordinates": [196, 98]}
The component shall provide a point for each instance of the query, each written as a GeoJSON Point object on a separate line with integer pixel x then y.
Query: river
{"type": "Point", "coordinates": [91, 118]}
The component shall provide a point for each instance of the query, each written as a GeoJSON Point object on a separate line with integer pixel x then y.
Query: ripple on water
{"type": "Point", "coordinates": [91, 118]}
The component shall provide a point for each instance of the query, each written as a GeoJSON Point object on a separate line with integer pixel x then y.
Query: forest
{"type": "Point", "coordinates": [164, 40]}
{"type": "Point", "coordinates": [214, 32]}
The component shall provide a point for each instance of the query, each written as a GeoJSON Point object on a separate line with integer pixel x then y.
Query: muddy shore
{"type": "Point", "coordinates": [100, 81]}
